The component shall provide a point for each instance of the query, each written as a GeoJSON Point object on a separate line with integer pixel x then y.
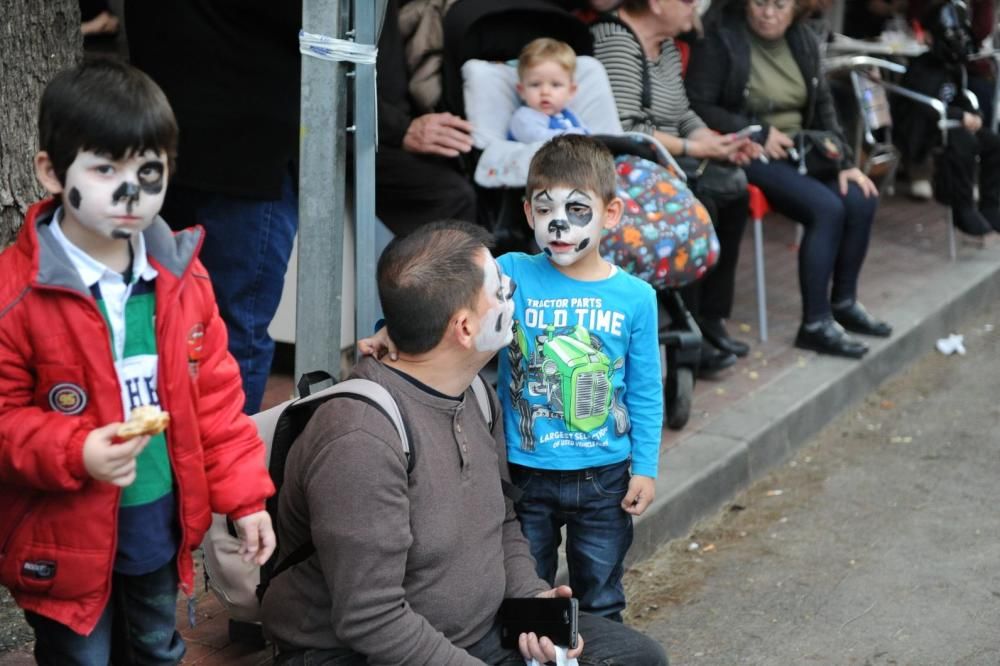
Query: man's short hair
{"type": "Point", "coordinates": [106, 106]}
{"type": "Point", "coordinates": [545, 49]}
{"type": "Point", "coordinates": [575, 161]}
{"type": "Point", "coordinates": [426, 277]}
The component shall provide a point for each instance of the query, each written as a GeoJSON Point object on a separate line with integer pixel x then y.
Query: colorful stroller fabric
{"type": "Point", "coordinates": [665, 236]}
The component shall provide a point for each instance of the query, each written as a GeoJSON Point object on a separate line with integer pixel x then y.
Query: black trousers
{"type": "Point", "coordinates": [955, 169]}
{"type": "Point", "coordinates": [712, 296]}
{"type": "Point", "coordinates": [412, 190]}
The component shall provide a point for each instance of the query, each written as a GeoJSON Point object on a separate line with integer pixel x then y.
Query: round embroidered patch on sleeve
{"type": "Point", "coordinates": [67, 399]}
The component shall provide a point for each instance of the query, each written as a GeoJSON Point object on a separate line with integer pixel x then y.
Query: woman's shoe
{"type": "Point", "coordinates": [970, 221]}
{"type": "Point", "coordinates": [830, 338]}
{"type": "Point", "coordinates": [715, 332]}
{"type": "Point", "coordinates": [713, 360]}
{"type": "Point", "coordinates": [857, 319]}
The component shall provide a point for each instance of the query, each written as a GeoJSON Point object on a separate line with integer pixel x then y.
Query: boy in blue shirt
{"type": "Point", "coordinates": [580, 385]}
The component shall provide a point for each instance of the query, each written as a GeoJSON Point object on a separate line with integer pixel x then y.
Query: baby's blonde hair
{"type": "Point", "coordinates": [545, 49]}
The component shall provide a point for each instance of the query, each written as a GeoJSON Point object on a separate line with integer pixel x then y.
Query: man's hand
{"type": "Point", "coordinates": [641, 491]}
{"type": "Point", "coordinates": [438, 134]}
{"type": "Point", "coordinates": [256, 537]}
{"type": "Point", "coordinates": [972, 121]}
{"type": "Point", "coordinates": [541, 648]}
{"type": "Point", "coordinates": [105, 459]}
{"type": "Point", "coordinates": [378, 345]}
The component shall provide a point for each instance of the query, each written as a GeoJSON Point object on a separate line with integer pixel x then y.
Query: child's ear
{"type": "Point", "coordinates": [45, 172]}
{"type": "Point", "coordinates": [527, 214]}
{"type": "Point", "coordinates": [572, 89]}
{"type": "Point", "coordinates": [520, 90]}
{"type": "Point", "coordinates": [613, 213]}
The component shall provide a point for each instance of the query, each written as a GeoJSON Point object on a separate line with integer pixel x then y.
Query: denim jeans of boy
{"type": "Point", "coordinates": [138, 626]}
{"type": "Point", "coordinates": [605, 643]}
{"type": "Point", "coordinates": [598, 531]}
{"type": "Point", "coordinates": [247, 246]}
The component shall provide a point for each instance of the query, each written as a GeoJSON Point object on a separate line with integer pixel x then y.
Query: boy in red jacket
{"type": "Point", "coordinates": [103, 309]}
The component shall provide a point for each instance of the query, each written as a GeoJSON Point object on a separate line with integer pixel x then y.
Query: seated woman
{"type": "Point", "coordinates": [637, 49]}
{"type": "Point", "coordinates": [758, 64]}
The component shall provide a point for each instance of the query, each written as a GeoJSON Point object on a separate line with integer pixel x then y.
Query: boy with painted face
{"type": "Point", "coordinates": [545, 72]}
{"type": "Point", "coordinates": [104, 309]}
{"type": "Point", "coordinates": [580, 384]}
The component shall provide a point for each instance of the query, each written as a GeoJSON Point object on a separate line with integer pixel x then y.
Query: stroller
{"type": "Point", "coordinates": [479, 38]}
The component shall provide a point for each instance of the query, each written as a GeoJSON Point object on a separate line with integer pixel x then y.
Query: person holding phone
{"type": "Point", "coordinates": [414, 555]}
{"type": "Point", "coordinates": [637, 48]}
{"type": "Point", "coordinates": [758, 63]}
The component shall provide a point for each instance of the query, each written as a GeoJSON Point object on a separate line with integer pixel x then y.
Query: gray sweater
{"type": "Point", "coordinates": [408, 569]}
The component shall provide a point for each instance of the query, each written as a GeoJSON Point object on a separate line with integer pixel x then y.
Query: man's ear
{"type": "Point", "coordinates": [613, 213]}
{"type": "Point", "coordinates": [45, 172]}
{"type": "Point", "coordinates": [527, 214]}
{"type": "Point", "coordinates": [463, 328]}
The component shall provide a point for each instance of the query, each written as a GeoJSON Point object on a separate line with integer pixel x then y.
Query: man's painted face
{"type": "Point", "coordinates": [115, 198]}
{"type": "Point", "coordinates": [496, 327]}
{"type": "Point", "coordinates": [566, 224]}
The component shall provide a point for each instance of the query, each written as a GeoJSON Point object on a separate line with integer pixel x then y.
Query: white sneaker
{"type": "Point", "coordinates": [921, 189]}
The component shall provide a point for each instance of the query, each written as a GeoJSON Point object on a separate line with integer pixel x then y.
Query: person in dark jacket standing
{"type": "Point", "coordinates": [418, 175]}
{"type": "Point", "coordinates": [758, 65]}
{"type": "Point", "coordinates": [231, 72]}
{"type": "Point", "coordinates": [938, 74]}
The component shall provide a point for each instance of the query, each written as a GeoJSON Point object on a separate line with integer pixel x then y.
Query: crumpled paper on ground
{"type": "Point", "coordinates": [951, 345]}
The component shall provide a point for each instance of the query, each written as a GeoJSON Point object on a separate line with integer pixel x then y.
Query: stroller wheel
{"type": "Point", "coordinates": [677, 398]}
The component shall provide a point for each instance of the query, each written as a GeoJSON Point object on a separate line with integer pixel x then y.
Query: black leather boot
{"type": "Point", "coordinates": [714, 330]}
{"type": "Point", "coordinates": [970, 221]}
{"type": "Point", "coordinates": [992, 216]}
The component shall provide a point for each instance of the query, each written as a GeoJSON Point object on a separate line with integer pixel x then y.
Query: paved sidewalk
{"type": "Point", "coordinates": [755, 415]}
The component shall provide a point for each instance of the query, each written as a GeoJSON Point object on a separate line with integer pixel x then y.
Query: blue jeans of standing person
{"type": "Point", "coordinates": [138, 626]}
{"type": "Point", "coordinates": [835, 240]}
{"type": "Point", "coordinates": [605, 643]}
{"type": "Point", "coordinates": [247, 246]}
{"type": "Point", "coordinates": [598, 531]}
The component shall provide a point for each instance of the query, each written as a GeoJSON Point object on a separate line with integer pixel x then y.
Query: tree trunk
{"type": "Point", "coordinates": [37, 39]}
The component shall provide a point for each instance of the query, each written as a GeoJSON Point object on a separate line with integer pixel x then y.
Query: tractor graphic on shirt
{"type": "Point", "coordinates": [574, 376]}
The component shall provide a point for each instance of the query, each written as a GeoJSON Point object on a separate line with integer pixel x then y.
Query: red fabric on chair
{"type": "Point", "coordinates": [759, 207]}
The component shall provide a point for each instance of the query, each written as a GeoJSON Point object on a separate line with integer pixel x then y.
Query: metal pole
{"type": "Point", "coordinates": [321, 198]}
{"type": "Point", "coordinates": [364, 173]}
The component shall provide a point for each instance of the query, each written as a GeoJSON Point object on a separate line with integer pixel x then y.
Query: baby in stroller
{"type": "Point", "coordinates": [545, 71]}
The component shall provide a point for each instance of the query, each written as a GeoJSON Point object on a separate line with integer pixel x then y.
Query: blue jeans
{"type": "Point", "coordinates": [598, 531]}
{"type": "Point", "coordinates": [605, 643]}
{"type": "Point", "coordinates": [138, 626]}
{"type": "Point", "coordinates": [246, 250]}
{"type": "Point", "coordinates": [837, 229]}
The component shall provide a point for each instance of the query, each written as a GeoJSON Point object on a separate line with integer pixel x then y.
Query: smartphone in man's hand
{"type": "Point", "coordinates": [553, 617]}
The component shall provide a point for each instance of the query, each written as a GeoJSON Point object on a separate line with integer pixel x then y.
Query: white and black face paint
{"type": "Point", "coordinates": [115, 198]}
{"type": "Point", "coordinates": [496, 327]}
{"type": "Point", "coordinates": [565, 223]}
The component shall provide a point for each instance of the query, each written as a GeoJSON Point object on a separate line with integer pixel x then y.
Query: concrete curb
{"type": "Point", "coordinates": [765, 428]}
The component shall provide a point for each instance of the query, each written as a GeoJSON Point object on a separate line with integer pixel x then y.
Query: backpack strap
{"type": "Point", "coordinates": [483, 398]}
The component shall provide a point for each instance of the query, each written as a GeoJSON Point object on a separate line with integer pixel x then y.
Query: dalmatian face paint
{"type": "Point", "coordinates": [565, 223]}
{"type": "Point", "coordinates": [496, 327]}
{"type": "Point", "coordinates": [115, 199]}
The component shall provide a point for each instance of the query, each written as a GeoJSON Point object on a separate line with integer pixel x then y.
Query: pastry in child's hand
{"type": "Point", "coordinates": [145, 420]}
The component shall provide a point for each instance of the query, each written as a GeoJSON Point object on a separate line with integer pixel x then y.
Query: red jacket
{"type": "Point", "coordinates": [58, 526]}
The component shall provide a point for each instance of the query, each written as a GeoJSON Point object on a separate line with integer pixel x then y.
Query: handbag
{"type": "Point", "coordinates": [665, 236]}
{"type": "Point", "coordinates": [712, 179]}
{"type": "Point", "coordinates": [818, 153]}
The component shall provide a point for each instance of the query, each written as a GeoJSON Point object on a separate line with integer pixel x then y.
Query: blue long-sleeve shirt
{"type": "Point", "coordinates": [580, 385]}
